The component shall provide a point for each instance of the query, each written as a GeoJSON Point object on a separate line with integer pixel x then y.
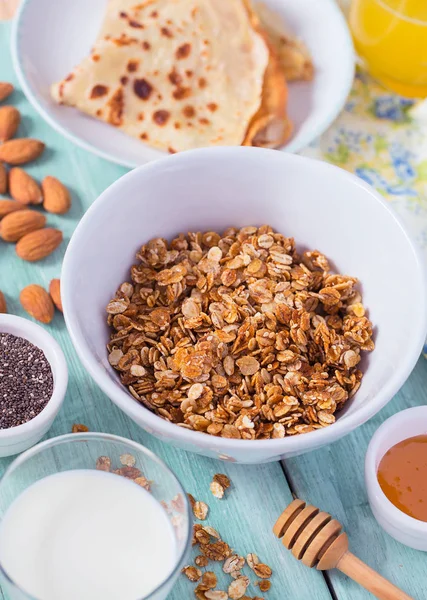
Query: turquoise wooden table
{"type": "Point", "coordinates": [331, 478]}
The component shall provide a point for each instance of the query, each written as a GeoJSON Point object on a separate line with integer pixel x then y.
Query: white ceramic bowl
{"type": "Point", "coordinates": [20, 438]}
{"type": "Point", "coordinates": [405, 424]}
{"type": "Point", "coordinates": [50, 37]}
{"type": "Point", "coordinates": [320, 205]}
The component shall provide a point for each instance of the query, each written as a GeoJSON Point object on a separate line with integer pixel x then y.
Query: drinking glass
{"type": "Point", "coordinates": [390, 36]}
{"type": "Point", "coordinates": [81, 451]}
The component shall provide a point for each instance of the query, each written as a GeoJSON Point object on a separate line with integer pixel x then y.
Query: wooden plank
{"type": "Point", "coordinates": [259, 493]}
{"type": "Point", "coordinates": [332, 478]}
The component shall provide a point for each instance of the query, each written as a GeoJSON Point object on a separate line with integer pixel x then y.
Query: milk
{"type": "Point", "coordinates": [87, 535]}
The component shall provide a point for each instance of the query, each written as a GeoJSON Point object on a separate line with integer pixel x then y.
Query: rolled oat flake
{"type": "Point", "coordinates": [26, 381]}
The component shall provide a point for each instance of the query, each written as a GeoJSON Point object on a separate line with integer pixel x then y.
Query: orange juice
{"type": "Point", "coordinates": [391, 37]}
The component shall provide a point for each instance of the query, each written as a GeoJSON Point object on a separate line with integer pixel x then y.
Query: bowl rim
{"type": "Point", "coordinates": [391, 513]}
{"type": "Point", "coordinates": [22, 327]}
{"type": "Point", "coordinates": [153, 422]}
{"type": "Point", "coordinates": [295, 144]}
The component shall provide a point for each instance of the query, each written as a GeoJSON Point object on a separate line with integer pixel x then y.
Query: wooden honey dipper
{"type": "Point", "coordinates": [317, 540]}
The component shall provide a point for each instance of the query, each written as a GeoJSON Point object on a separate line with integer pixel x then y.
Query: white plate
{"type": "Point", "coordinates": [51, 36]}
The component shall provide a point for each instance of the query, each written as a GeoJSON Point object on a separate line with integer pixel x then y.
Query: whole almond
{"type": "Point", "coordinates": [5, 90]}
{"type": "Point", "coordinates": [23, 188]}
{"type": "Point", "coordinates": [3, 179]}
{"type": "Point", "coordinates": [17, 224]}
{"type": "Point", "coordinates": [3, 306]}
{"type": "Point", "coordinates": [55, 293]}
{"type": "Point", "coordinates": [20, 151]}
{"type": "Point", "coordinates": [37, 302]}
{"type": "Point", "coordinates": [38, 244]}
{"type": "Point", "coordinates": [9, 206]}
{"type": "Point", "coordinates": [56, 197]}
{"type": "Point", "coordinates": [10, 117]}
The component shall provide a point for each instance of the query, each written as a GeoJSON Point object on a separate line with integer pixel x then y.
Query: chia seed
{"type": "Point", "coordinates": [26, 381]}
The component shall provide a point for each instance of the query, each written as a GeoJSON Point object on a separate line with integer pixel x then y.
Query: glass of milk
{"type": "Point", "coordinates": [91, 516]}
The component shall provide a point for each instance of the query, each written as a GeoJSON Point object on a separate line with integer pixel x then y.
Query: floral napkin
{"type": "Point", "coordinates": [376, 138]}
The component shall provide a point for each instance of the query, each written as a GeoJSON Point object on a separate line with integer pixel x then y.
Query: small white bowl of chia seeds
{"type": "Point", "coordinates": [33, 382]}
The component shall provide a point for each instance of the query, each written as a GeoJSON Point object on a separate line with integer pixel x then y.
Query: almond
{"type": "Point", "coordinates": [38, 244]}
{"type": "Point", "coordinates": [5, 90]}
{"type": "Point", "coordinates": [20, 151]}
{"type": "Point", "coordinates": [56, 197]}
{"type": "Point", "coordinates": [3, 179]}
{"type": "Point", "coordinates": [17, 224]}
{"type": "Point", "coordinates": [23, 188]}
{"type": "Point", "coordinates": [55, 293]}
{"type": "Point", "coordinates": [37, 302]}
{"type": "Point", "coordinates": [9, 206]}
{"type": "Point", "coordinates": [3, 306]}
{"type": "Point", "coordinates": [10, 117]}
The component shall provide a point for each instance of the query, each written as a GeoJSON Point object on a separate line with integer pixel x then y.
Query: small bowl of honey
{"type": "Point", "coordinates": [396, 476]}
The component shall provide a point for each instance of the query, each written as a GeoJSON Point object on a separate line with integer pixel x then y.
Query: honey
{"type": "Point", "coordinates": [402, 475]}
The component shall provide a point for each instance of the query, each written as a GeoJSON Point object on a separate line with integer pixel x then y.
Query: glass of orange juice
{"type": "Point", "coordinates": [391, 38]}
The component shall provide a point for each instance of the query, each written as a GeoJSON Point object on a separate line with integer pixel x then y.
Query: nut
{"type": "Point", "coordinates": [5, 90]}
{"type": "Point", "coordinates": [9, 206]}
{"type": "Point", "coordinates": [55, 293]}
{"type": "Point", "coordinates": [37, 303]}
{"type": "Point", "coordinates": [56, 196]}
{"type": "Point", "coordinates": [21, 150]}
{"type": "Point", "coordinates": [17, 224]}
{"type": "Point", "coordinates": [3, 305]}
{"type": "Point", "coordinates": [38, 244]}
{"type": "Point", "coordinates": [10, 117]}
{"type": "Point", "coordinates": [23, 188]}
{"type": "Point", "coordinates": [3, 179]}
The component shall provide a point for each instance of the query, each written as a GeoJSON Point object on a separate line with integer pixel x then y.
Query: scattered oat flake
{"type": "Point", "coordinates": [209, 580]}
{"type": "Point", "coordinates": [200, 510]}
{"type": "Point", "coordinates": [236, 574]}
{"type": "Point", "coordinates": [252, 560]}
{"type": "Point", "coordinates": [177, 503]}
{"type": "Point", "coordinates": [193, 573]}
{"type": "Point", "coordinates": [264, 585]}
{"type": "Point", "coordinates": [201, 561]}
{"type": "Point", "coordinates": [216, 595]}
{"type": "Point", "coordinates": [233, 563]}
{"type": "Point", "coordinates": [103, 463]}
{"type": "Point", "coordinates": [127, 460]}
{"type": "Point", "coordinates": [79, 428]}
{"type": "Point", "coordinates": [216, 551]}
{"type": "Point", "coordinates": [143, 482]}
{"type": "Point", "coordinates": [202, 536]}
{"type": "Point", "coordinates": [192, 500]}
{"type": "Point", "coordinates": [262, 570]}
{"type": "Point", "coordinates": [222, 479]}
{"type": "Point", "coordinates": [217, 489]}
{"type": "Point", "coordinates": [128, 472]}
{"type": "Point", "coordinates": [238, 587]}
{"type": "Point", "coordinates": [211, 531]}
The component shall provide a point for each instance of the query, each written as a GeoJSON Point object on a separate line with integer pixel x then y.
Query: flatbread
{"type": "Point", "coordinates": [177, 74]}
{"type": "Point", "coordinates": [270, 127]}
{"type": "Point", "coordinates": [293, 55]}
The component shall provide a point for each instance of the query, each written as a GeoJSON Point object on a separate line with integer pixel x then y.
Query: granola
{"type": "Point", "coordinates": [213, 548]}
{"type": "Point", "coordinates": [238, 335]}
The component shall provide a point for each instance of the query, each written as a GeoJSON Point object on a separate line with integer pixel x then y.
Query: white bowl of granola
{"type": "Point", "coordinates": [205, 378]}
